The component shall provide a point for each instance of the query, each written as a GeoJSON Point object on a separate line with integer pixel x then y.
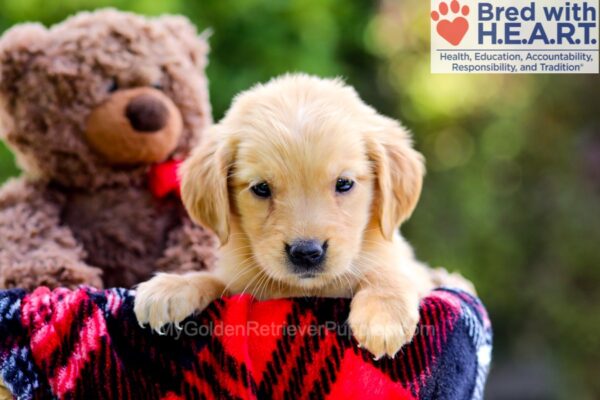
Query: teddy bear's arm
{"type": "Point", "coordinates": [190, 248]}
{"type": "Point", "coordinates": [35, 250]}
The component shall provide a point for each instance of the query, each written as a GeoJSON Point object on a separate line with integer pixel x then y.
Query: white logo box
{"type": "Point", "coordinates": [509, 36]}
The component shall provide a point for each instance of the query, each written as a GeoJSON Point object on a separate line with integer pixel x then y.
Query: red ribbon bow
{"type": "Point", "coordinates": [163, 179]}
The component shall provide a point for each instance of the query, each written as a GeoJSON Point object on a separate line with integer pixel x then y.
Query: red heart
{"type": "Point", "coordinates": [453, 31]}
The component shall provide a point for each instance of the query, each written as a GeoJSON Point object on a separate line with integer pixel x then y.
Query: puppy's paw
{"type": "Point", "coordinates": [169, 298]}
{"type": "Point", "coordinates": [382, 325]}
{"type": "Point", "coordinates": [441, 277]}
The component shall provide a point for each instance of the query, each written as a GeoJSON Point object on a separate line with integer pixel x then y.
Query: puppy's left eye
{"type": "Point", "coordinates": [343, 185]}
{"type": "Point", "coordinates": [262, 190]}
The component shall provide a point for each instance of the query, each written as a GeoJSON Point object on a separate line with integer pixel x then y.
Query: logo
{"type": "Point", "coordinates": [453, 26]}
{"type": "Point", "coordinates": [514, 36]}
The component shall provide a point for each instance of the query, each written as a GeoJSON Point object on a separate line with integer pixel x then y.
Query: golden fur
{"type": "Point", "coordinates": [300, 134]}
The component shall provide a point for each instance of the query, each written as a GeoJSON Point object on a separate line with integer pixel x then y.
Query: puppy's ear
{"type": "Point", "coordinates": [399, 171]}
{"type": "Point", "coordinates": [204, 182]}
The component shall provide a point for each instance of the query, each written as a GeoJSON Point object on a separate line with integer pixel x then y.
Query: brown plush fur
{"type": "Point", "coordinates": [77, 216]}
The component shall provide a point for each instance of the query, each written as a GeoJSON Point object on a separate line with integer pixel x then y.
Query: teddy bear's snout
{"type": "Point", "coordinates": [147, 114]}
{"type": "Point", "coordinates": [134, 126]}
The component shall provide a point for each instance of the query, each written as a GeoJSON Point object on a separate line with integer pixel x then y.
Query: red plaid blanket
{"type": "Point", "coordinates": [86, 344]}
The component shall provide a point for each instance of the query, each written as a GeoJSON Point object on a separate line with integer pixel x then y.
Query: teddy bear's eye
{"type": "Point", "coordinates": [113, 86]}
{"type": "Point", "coordinates": [157, 86]}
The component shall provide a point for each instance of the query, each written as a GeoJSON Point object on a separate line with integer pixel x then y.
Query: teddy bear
{"type": "Point", "coordinates": [98, 110]}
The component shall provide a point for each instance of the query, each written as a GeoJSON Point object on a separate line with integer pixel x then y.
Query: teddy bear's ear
{"type": "Point", "coordinates": [196, 45]}
{"type": "Point", "coordinates": [18, 46]}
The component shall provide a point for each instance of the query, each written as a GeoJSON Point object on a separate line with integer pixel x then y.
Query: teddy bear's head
{"type": "Point", "coordinates": [98, 98]}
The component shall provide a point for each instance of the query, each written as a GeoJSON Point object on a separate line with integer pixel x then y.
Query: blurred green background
{"type": "Point", "coordinates": [512, 196]}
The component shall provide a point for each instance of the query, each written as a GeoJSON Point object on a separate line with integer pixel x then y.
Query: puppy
{"type": "Point", "coordinates": [306, 187]}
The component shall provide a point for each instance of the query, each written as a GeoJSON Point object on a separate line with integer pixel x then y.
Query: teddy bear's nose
{"type": "Point", "coordinates": [147, 114]}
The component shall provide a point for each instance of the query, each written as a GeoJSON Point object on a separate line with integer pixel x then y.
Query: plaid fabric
{"type": "Point", "coordinates": [86, 344]}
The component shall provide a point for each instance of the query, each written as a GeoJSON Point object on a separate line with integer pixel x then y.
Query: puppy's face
{"type": "Point", "coordinates": [299, 168]}
{"type": "Point", "coordinates": [302, 190]}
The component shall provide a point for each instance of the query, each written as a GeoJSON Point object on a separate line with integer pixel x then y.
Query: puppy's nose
{"type": "Point", "coordinates": [147, 114]}
{"type": "Point", "coordinates": [306, 254]}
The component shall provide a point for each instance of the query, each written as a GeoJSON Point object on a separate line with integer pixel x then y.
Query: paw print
{"type": "Point", "coordinates": [451, 30]}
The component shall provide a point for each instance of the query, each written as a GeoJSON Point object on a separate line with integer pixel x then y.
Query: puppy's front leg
{"type": "Point", "coordinates": [385, 311]}
{"type": "Point", "coordinates": [170, 298]}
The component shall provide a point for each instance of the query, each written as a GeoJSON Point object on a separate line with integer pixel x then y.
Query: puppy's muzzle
{"type": "Point", "coordinates": [306, 256]}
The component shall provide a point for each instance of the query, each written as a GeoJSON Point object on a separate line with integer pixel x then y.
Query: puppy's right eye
{"type": "Point", "coordinates": [262, 190]}
{"type": "Point", "coordinates": [343, 185]}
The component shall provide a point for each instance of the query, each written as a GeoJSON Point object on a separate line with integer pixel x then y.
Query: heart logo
{"type": "Point", "coordinates": [453, 31]}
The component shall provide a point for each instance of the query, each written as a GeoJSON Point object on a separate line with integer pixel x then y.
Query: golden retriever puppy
{"type": "Point", "coordinates": [306, 187]}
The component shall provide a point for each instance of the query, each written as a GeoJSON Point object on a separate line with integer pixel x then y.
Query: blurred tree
{"type": "Point", "coordinates": [509, 199]}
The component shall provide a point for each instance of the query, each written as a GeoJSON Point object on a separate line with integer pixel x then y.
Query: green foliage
{"type": "Point", "coordinates": [7, 164]}
{"type": "Point", "coordinates": [512, 194]}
